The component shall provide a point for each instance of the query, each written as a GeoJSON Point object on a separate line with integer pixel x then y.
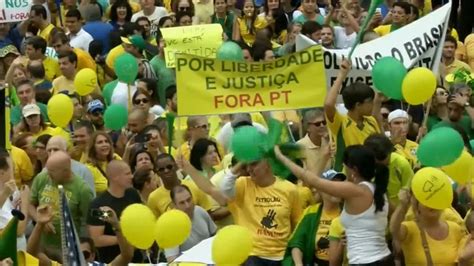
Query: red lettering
{"type": "Point", "coordinates": [228, 100]}
{"type": "Point", "coordinates": [274, 95]}
{"type": "Point", "coordinates": [258, 100]}
{"type": "Point", "coordinates": [217, 101]}
{"type": "Point", "coordinates": [286, 96]}
{"type": "Point", "coordinates": [244, 99]}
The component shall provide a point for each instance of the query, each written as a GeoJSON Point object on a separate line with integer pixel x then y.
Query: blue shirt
{"type": "Point", "coordinates": [100, 31]}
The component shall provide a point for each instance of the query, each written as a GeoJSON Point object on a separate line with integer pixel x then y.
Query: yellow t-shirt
{"type": "Point", "coordinates": [270, 213]}
{"type": "Point", "coordinates": [98, 172]}
{"type": "Point", "coordinates": [54, 131]}
{"type": "Point", "coordinates": [159, 200]}
{"type": "Point", "coordinates": [46, 32]}
{"type": "Point", "coordinates": [22, 166]}
{"type": "Point", "coordinates": [455, 65]}
{"type": "Point", "coordinates": [336, 232]}
{"type": "Point", "coordinates": [51, 67]}
{"type": "Point", "coordinates": [313, 154]}
{"type": "Point", "coordinates": [322, 236]}
{"type": "Point", "coordinates": [383, 30]}
{"type": "Point", "coordinates": [443, 253]}
{"type": "Point", "coordinates": [449, 215]}
{"type": "Point", "coordinates": [306, 196]}
{"type": "Point", "coordinates": [409, 152]}
{"type": "Point", "coordinates": [84, 60]}
{"type": "Point", "coordinates": [61, 83]}
{"type": "Point", "coordinates": [245, 34]}
{"type": "Point", "coordinates": [400, 173]}
{"type": "Point", "coordinates": [113, 54]}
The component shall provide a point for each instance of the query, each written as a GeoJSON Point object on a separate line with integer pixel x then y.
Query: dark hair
{"type": "Point", "coordinates": [363, 160]}
{"type": "Point", "coordinates": [170, 92]}
{"type": "Point", "coordinates": [133, 159]}
{"type": "Point", "coordinates": [451, 39]}
{"type": "Point", "coordinates": [84, 123]}
{"type": "Point", "coordinates": [141, 91]}
{"type": "Point", "coordinates": [403, 5]}
{"type": "Point", "coordinates": [380, 145]}
{"type": "Point", "coordinates": [281, 21]}
{"type": "Point", "coordinates": [259, 48]}
{"type": "Point", "coordinates": [74, 13]}
{"type": "Point", "coordinates": [60, 37]}
{"type": "Point", "coordinates": [310, 27]}
{"type": "Point", "coordinates": [27, 127]}
{"type": "Point", "coordinates": [117, 4]}
{"type": "Point", "coordinates": [161, 123]}
{"type": "Point", "coordinates": [39, 10]}
{"type": "Point", "coordinates": [129, 28]}
{"type": "Point", "coordinates": [180, 15]}
{"type": "Point", "coordinates": [36, 70]}
{"type": "Point", "coordinates": [199, 150]}
{"type": "Point", "coordinates": [142, 18]}
{"type": "Point", "coordinates": [88, 240]}
{"type": "Point", "coordinates": [355, 93]}
{"type": "Point", "coordinates": [175, 4]}
{"type": "Point", "coordinates": [25, 82]}
{"type": "Point", "coordinates": [95, 48]}
{"type": "Point", "coordinates": [71, 56]}
{"type": "Point", "coordinates": [43, 139]}
{"type": "Point", "coordinates": [140, 177]}
{"type": "Point", "coordinates": [244, 46]}
{"type": "Point", "coordinates": [165, 156]}
{"type": "Point", "coordinates": [92, 153]}
{"type": "Point", "coordinates": [414, 10]}
{"type": "Point", "coordinates": [251, 29]}
{"type": "Point", "coordinates": [38, 43]}
{"type": "Point", "coordinates": [162, 20]}
{"type": "Point", "coordinates": [20, 139]}
{"type": "Point", "coordinates": [152, 88]}
{"type": "Point", "coordinates": [177, 189]}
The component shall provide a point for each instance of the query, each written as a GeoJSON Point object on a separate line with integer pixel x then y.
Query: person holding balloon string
{"type": "Point", "coordinates": [428, 240]}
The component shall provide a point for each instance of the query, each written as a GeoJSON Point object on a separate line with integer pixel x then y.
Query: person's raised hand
{"type": "Point", "coordinates": [346, 66]}
{"type": "Point", "coordinates": [9, 187]}
{"type": "Point", "coordinates": [110, 217]}
{"type": "Point", "coordinates": [44, 214]}
{"type": "Point", "coordinates": [404, 195]}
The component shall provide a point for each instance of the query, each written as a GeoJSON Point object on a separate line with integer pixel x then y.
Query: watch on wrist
{"type": "Point", "coordinates": [467, 104]}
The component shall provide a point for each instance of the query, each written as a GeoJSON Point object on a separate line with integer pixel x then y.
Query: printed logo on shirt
{"type": "Point", "coordinates": [268, 221]}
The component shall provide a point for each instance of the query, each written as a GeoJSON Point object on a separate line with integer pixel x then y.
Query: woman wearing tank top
{"type": "Point", "coordinates": [365, 211]}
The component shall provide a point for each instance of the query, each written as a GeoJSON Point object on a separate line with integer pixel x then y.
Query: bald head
{"type": "Point", "coordinates": [59, 166]}
{"type": "Point", "coordinates": [119, 174]}
{"type": "Point", "coordinates": [56, 143]}
{"type": "Point", "coordinates": [137, 120]}
{"type": "Point", "coordinates": [36, 69]}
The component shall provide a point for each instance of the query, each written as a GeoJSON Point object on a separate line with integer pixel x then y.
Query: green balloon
{"type": "Point", "coordinates": [126, 68]}
{"type": "Point", "coordinates": [472, 144]}
{"type": "Point", "coordinates": [115, 117]}
{"type": "Point", "coordinates": [248, 144]}
{"type": "Point", "coordinates": [108, 91]}
{"type": "Point", "coordinates": [230, 51]}
{"type": "Point", "coordinates": [442, 146]}
{"type": "Point", "coordinates": [388, 74]}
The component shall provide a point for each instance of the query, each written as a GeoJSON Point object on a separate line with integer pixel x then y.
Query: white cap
{"type": "Point", "coordinates": [31, 109]}
{"type": "Point", "coordinates": [397, 114]}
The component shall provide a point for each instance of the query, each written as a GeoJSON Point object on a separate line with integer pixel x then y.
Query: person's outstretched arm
{"type": "Point", "coordinates": [331, 97]}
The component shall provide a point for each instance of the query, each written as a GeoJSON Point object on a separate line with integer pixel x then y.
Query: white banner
{"type": "Point", "coordinates": [419, 43]}
{"type": "Point", "coordinates": [14, 10]}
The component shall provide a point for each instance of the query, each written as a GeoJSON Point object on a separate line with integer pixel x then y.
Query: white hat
{"type": "Point", "coordinates": [30, 109]}
{"type": "Point", "coordinates": [397, 114]}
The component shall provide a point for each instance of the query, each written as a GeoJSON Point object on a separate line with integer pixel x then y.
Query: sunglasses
{"type": "Point", "coordinates": [86, 254]}
{"type": "Point", "coordinates": [97, 113]}
{"type": "Point", "coordinates": [169, 167]}
{"type": "Point", "coordinates": [319, 123]}
{"type": "Point", "coordinates": [139, 101]}
{"type": "Point", "coordinates": [205, 126]}
{"type": "Point", "coordinates": [184, 8]}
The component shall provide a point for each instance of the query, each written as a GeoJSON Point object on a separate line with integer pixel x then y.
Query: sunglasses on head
{"type": "Point", "coordinates": [169, 167]}
{"type": "Point", "coordinates": [319, 123]}
{"type": "Point", "coordinates": [139, 101]}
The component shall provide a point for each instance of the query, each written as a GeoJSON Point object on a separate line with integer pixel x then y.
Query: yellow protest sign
{"type": "Point", "coordinates": [200, 40]}
{"type": "Point", "coordinates": [210, 86]}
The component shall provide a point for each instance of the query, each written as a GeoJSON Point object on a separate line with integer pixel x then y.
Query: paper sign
{"type": "Point", "coordinates": [14, 10]}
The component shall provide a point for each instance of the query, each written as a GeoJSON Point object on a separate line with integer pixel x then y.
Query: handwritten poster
{"type": "Point", "coordinates": [14, 10]}
{"type": "Point", "coordinates": [199, 40]}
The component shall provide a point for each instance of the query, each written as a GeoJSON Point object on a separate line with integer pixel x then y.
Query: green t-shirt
{"type": "Point", "coordinates": [15, 113]}
{"type": "Point", "coordinates": [464, 123]}
{"type": "Point", "coordinates": [79, 195]}
{"type": "Point", "coordinates": [301, 19]}
{"type": "Point", "coordinates": [166, 76]}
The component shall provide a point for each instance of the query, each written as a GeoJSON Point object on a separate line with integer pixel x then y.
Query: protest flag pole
{"type": "Point", "coordinates": [58, 5]}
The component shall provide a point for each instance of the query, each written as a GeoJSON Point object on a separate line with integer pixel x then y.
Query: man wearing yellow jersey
{"type": "Point", "coordinates": [449, 60]}
{"type": "Point", "coordinates": [267, 205]}
{"type": "Point", "coordinates": [400, 172]}
{"type": "Point", "coordinates": [398, 125]}
{"type": "Point", "coordinates": [65, 82]}
{"type": "Point", "coordinates": [400, 14]}
{"type": "Point", "coordinates": [159, 200]}
{"type": "Point", "coordinates": [39, 19]}
{"type": "Point", "coordinates": [358, 124]}
{"type": "Point", "coordinates": [35, 49]}
{"type": "Point", "coordinates": [61, 44]}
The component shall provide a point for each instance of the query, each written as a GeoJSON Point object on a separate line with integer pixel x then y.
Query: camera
{"type": "Point", "coordinates": [98, 213]}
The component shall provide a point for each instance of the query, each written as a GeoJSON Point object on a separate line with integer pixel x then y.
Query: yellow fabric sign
{"type": "Point", "coordinates": [210, 86]}
{"type": "Point", "coordinates": [200, 40]}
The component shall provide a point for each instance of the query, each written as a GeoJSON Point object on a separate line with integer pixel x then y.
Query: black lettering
{"type": "Point", "coordinates": [318, 56]}
{"type": "Point", "coordinates": [180, 62]}
{"type": "Point", "coordinates": [250, 82]}
{"type": "Point", "coordinates": [428, 41]}
{"type": "Point", "coordinates": [328, 56]}
{"type": "Point", "coordinates": [419, 46]}
{"type": "Point", "coordinates": [210, 83]}
{"type": "Point", "coordinates": [397, 54]}
{"type": "Point", "coordinates": [305, 57]}
{"type": "Point", "coordinates": [409, 49]}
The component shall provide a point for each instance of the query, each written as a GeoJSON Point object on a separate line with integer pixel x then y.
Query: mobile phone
{"type": "Point", "coordinates": [141, 138]}
{"type": "Point", "coordinates": [98, 213]}
{"type": "Point", "coordinates": [378, 10]}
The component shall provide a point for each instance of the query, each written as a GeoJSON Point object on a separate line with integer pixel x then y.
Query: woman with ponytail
{"type": "Point", "coordinates": [365, 211]}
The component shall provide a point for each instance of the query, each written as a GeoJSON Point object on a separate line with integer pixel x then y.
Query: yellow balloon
{"type": "Point", "coordinates": [460, 170]}
{"type": "Point", "coordinates": [232, 245]}
{"type": "Point", "coordinates": [432, 188]}
{"type": "Point", "coordinates": [172, 229]}
{"type": "Point", "coordinates": [85, 81]}
{"type": "Point", "coordinates": [418, 85]}
{"type": "Point", "coordinates": [60, 110]}
{"type": "Point", "coordinates": [136, 221]}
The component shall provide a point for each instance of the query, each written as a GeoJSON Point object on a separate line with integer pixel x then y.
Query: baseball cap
{"type": "Point", "coordinates": [30, 109]}
{"type": "Point", "coordinates": [333, 175]}
{"type": "Point", "coordinates": [135, 40]}
{"type": "Point", "coordinates": [397, 114]}
{"type": "Point", "coordinates": [95, 105]}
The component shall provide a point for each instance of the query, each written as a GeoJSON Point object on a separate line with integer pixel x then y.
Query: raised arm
{"type": "Point", "coordinates": [126, 250]}
{"type": "Point", "coordinates": [331, 97]}
{"type": "Point", "coordinates": [236, 31]}
{"type": "Point", "coordinates": [397, 230]}
{"type": "Point", "coordinates": [203, 183]}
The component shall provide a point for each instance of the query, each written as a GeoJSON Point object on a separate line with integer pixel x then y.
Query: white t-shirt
{"type": "Point", "coordinates": [154, 18]}
{"type": "Point", "coordinates": [343, 40]}
{"type": "Point", "coordinates": [120, 94]}
{"type": "Point", "coordinates": [81, 40]}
